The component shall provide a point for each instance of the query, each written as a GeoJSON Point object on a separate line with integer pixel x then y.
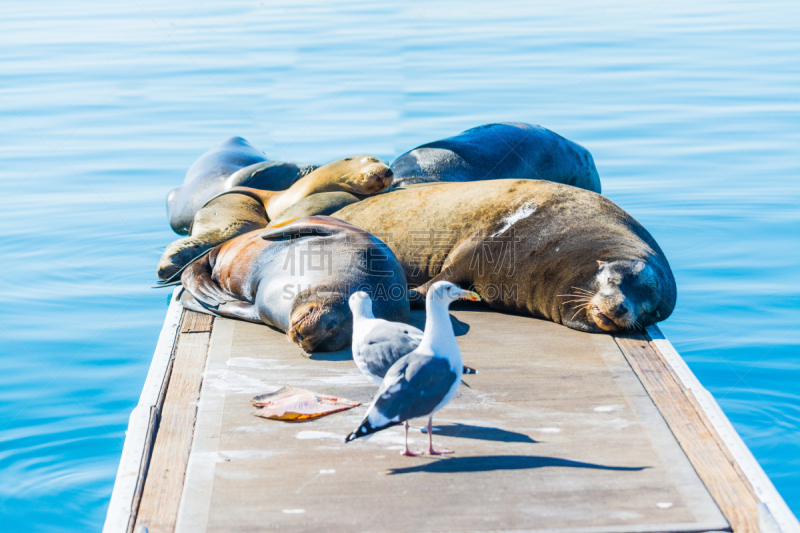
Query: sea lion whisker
{"type": "Point", "coordinates": [583, 294]}
{"type": "Point", "coordinates": [582, 291]}
{"type": "Point", "coordinates": [573, 301]}
{"type": "Point", "coordinates": [581, 308]}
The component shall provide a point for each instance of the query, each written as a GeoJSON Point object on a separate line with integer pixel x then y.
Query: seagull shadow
{"type": "Point", "coordinates": [465, 431]}
{"type": "Point", "coordinates": [490, 463]}
{"type": "Point", "coordinates": [459, 328]}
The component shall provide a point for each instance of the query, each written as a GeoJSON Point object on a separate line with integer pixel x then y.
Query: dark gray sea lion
{"type": "Point", "coordinates": [298, 278]}
{"type": "Point", "coordinates": [527, 246]}
{"type": "Point", "coordinates": [232, 163]}
{"type": "Point", "coordinates": [510, 150]}
{"type": "Point", "coordinates": [241, 209]}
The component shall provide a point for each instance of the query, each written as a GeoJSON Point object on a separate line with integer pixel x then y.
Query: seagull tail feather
{"type": "Point", "coordinates": [366, 428]}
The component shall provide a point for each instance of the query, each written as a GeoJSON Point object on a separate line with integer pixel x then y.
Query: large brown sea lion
{"type": "Point", "coordinates": [298, 278]}
{"type": "Point", "coordinates": [526, 246]}
{"type": "Point", "coordinates": [232, 163]}
{"type": "Point", "coordinates": [241, 209]}
{"type": "Point", "coordinates": [511, 150]}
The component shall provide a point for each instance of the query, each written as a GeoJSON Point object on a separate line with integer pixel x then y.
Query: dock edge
{"type": "Point", "coordinates": [140, 435]}
{"type": "Point", "coordinates": [772, 508]}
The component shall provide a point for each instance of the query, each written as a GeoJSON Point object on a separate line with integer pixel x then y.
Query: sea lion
{"type": "Point", "coordinates": [223, 218]}
{"type": "Point", "coordinates": [241, 209]}
{"type": "Point", "coordinates": [298, 278]}
{"type": "Point", "coordinates": [363, 174]}
{"type": "Point", "coordinates": [526, 246]}
{"type": "Point", "coordinates": [509, 150]}
{"type": "Point", "coordinates": [323, 203]}
{"type": "Point", "coordinates": [231, 163]}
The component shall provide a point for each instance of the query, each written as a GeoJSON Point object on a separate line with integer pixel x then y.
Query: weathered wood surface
{"type": "Point", "coordinates": [147, 453]}
{"type": "Point", "coordinates": [158, 509]}
{"type": "Point", "coordinates": [710, 458]}
{"type": "Point", "coordinates": [233, 482]}
{"type": "Point", "coordinates": [556, 433]}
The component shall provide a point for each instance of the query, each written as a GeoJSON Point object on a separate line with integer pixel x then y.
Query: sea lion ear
{"type": "Point", "coordinates": [293, 233]}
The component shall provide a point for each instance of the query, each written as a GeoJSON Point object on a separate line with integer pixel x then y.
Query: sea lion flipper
{"type": "Point", "coordinates": [243, 310]}
{"type": "Point", "coordinates": [160, 284]}
{"type": "Point", "coordinates": [452, 271]}
{"type": "Point", "coordinates": [417, 295]}
{"type": "Point", "coordinates": [188, 301]}
{"type": "Point", "coordinates": [196, 279]}
{"type": "Point", "coordinates": [175, 278]}
{"type": "Point", "coordinates": [257, 194]}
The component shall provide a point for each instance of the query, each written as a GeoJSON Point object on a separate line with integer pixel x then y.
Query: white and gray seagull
{"type": "Point", "coordinates": [425, 380]}
{"type": "Point", "coordinates": [379, 343]}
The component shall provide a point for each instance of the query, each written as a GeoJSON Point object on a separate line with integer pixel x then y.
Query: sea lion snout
{"type": "Point", "coordinates": [375, 179]}
{"type": "Point", "coordinates": [612, 317]}
{"type": "Point", "coordinates": [385, 178]}
{"type": "Point", "coordinates": [321, 325]}
{"type": "Point", "coordinates": [626, 295]}
{"type": "Point", "coordinates": [367, 174]}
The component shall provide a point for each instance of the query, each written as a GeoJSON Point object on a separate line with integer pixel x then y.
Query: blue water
{"type": "Point", "coordinates": [691, 110]}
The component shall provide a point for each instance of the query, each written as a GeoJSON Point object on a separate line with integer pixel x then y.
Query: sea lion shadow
{"type": "Point", "coordinates": [465, 431]}
{"type": "Point", "coordinates": [339, 355]}
{"type": "Point", "coordinates": [489, 463]}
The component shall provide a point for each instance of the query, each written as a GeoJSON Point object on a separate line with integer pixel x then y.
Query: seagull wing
{"type": "Point", "coordinates": [413, 387]}
{"type": "Point", "coordinates": [386, 343]}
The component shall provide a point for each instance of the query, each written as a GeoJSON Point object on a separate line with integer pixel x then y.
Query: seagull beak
{"type": "Point", "coordinates": [470, 295]}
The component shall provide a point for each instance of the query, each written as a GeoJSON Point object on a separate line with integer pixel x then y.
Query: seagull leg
{"type": "Point", "coordinates": [407, 451]}
{"type": "Point", "coordinates": [431, 451]}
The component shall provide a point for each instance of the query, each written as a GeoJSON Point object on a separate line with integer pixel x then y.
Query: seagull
{"type": "Point", "coordinates": [425, 380]}
{"type": "Point", "coordinates": [378, 343]}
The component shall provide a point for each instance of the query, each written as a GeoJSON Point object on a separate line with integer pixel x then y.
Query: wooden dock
{"type": "Point", "coordinates": [560, 431]}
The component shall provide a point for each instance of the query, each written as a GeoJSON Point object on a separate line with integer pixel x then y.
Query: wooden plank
{"type": "Point", "coordinates": [556, 430]}
{"type": "Point", "coordinates": [197, 489]}
{"type": "Point", "coordinates": [696, 435]}
{"type": "Point", "coordinates": [150, 437]}
{"type": "Point", "coordinates": [140, 434]}
{"type": "Point", "coordinates": [158, 509]}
